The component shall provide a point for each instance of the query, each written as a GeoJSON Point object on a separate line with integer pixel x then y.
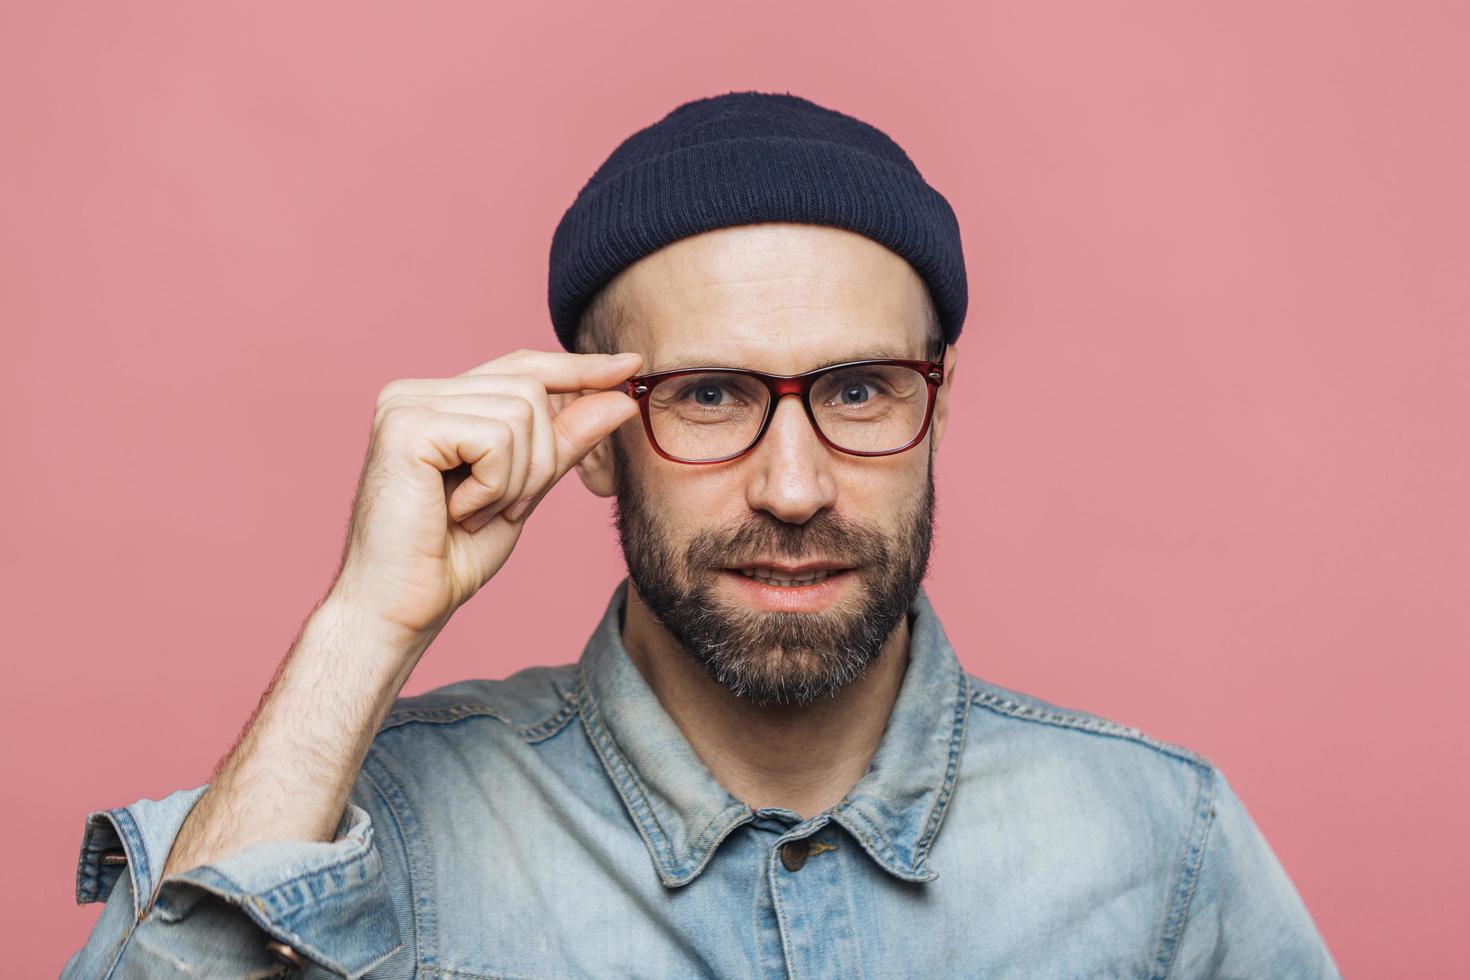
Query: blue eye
{"type": "Point", "coordinates": [708, 394]}
{"type": "Point", "coordinates": [854, 394]}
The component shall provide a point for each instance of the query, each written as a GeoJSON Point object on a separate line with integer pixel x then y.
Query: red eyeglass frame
{"type": "Point", "coordinates": [781, 385]}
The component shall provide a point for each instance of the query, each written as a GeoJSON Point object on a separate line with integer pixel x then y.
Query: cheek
{"type": "Point", "coordinates": [878, 492]}
{"type": "Point", "coordinates": [694, 499]}
{"type": "Point", "coordinates": [685, 500]}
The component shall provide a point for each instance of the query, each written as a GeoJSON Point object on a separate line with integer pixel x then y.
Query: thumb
{"type": "Point", "coordinates": [587, 421]}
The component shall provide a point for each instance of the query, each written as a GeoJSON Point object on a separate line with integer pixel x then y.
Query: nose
{"type": "Point", "coordinates": [790, 475]}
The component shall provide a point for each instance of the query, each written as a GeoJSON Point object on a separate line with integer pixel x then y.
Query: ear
{"type": "Point", "coordinates": [596, 468]}
{"type": "Point", "coordinates": [940, 421]}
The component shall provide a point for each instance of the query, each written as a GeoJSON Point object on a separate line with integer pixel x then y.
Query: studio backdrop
{"type": "Point", "coordinates": [1207, 469]}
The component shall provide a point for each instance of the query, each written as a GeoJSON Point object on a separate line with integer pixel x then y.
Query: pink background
{"type": "Point", "coordinates": [1209, 471]}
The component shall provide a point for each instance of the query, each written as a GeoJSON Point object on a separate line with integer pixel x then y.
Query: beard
{"type": "Point", "coordinates": [769, 657]}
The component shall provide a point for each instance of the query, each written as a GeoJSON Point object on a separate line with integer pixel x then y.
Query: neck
{"type": "Point", "coordinates": [803, 758]}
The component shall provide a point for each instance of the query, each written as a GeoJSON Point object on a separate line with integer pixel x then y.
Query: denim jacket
{"type": "Point", "coordinates": [556, 823]}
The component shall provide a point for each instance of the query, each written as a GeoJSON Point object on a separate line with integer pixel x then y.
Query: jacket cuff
{"type": "Point", "coordinates": [134, 839]}
{"type": "Point", "coordinates": [327, 900]}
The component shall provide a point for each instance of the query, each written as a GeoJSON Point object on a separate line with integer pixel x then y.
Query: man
{"type": "Point", "coordinates": [768, 760]}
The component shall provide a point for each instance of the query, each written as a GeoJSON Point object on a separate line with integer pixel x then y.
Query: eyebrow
{"type": "Point", "coordinates": [880, 353]}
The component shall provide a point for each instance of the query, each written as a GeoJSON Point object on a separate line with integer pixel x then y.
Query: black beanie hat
{"type": "Point", "coordinates": [747, 157]}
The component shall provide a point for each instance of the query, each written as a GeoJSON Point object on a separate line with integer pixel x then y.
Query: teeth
{"type": "Point", "coordinates": [774, 578]}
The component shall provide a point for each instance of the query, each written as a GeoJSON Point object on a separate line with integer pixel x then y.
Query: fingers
{"type": "Point", "coordinates": [448, 440]}
{"type": "Point", "coordinates": [510, 465]}
{"type": "Point", "coordinates": [586, 422]}
{"type": "Point", "coordinates": [524, 407]}
{"type": "Point", "coordinates": [509, 474]}
{"type": "Point", "coordinates": [489, 447]}
{"type": "Point", "coordinates": [578, 428]}
{"type": "Point", "coordinates": [558, 371]}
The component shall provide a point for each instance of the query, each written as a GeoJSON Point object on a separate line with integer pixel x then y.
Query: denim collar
{"type": "Point", "coordinates": [894, 811]}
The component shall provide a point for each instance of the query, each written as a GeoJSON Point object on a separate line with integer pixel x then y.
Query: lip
{"type": "Point", "coordinates": [793, 570]}
{"type": "Point", "coordinates": [811, 598]}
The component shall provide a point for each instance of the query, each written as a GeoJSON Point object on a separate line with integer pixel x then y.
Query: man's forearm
{"type": "Point", "coordinates": [289, 776]}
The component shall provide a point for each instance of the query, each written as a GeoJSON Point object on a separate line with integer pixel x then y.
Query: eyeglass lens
{"type": "Point", "coordinates": [865, 408]}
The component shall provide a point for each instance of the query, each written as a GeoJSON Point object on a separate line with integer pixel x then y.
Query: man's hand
{"type": "Point", "coordinates": [453, 468]}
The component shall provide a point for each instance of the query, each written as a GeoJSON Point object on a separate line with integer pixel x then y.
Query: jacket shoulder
{"type": "Point", "coordinates": [535, 702]}
{"type": "Point", "coordinates": [1006, 703]}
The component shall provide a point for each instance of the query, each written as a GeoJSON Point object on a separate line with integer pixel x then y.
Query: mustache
{"type": "Point", "coordinates": [760, 536]}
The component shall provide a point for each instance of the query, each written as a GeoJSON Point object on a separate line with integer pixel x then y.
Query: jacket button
{"type": "Point", "coordinates": [285, 954]}
{"type": "Point", "coordinates": [794, 852]}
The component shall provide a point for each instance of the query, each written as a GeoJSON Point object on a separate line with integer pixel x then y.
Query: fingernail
{"type": "Point", "coordinates": [517, 510]}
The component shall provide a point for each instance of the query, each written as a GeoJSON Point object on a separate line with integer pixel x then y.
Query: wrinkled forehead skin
{"type": "Point", "coordinates": [776, 297]}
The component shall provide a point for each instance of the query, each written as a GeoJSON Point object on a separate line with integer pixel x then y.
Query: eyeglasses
{"type": "Point", "coordinates": [713, 415]}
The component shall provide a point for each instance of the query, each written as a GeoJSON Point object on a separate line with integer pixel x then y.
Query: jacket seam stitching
{"type": "Point", "coordinates": [535, 731]}
{"type": "Point", "coordinates": [783, 921]}
{"type": "Point", "coordinates": [122, 947]}
{"type": "Point", "coordinates": [260, 896]}
{"type": "Point", "coordinates": [1177, 916]}
{"type": "Point", "coordinates": [720, 826]}
{"type": "Point", "coordinates": [874, 843]}
{"type": "Point", "coordinates": [408, 865]}
{"type": "Point", "coordinates": [446, 715]}
{"type": "Point", "coordinates": [956, 746]}
{"type": "Point", "coordinates": [88, 886]}
{"type": "Point", "coordinates": [254, 907]}
{"type": "Point", "coordinates": [451, 971]}
{"type": "Point", "coordinates": [137, 854]}
{"type": "Point", "coordinates": [845, 886]}
{"type": "Point", "coordinates": [612, 759]}
{"type": "Point", "coordinates": [396, 803]}
{"type": "Point", "coordinates": [543, 730]}
{"type": "Point", "coordinates": [1060, 719]}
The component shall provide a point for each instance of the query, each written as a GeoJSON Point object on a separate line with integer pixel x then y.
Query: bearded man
{"type": "Point", "coordinates": [768, 761]}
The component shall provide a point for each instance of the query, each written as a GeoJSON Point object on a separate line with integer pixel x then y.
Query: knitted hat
{"type": "Point", "coordinates": [747, 157]}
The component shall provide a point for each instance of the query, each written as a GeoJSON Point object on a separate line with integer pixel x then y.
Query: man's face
{"type": "Point", "coordinates": [786, 570]}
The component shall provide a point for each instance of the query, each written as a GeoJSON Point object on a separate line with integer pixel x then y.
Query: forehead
{"type": "Point", "coordinates": [774, 297]}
